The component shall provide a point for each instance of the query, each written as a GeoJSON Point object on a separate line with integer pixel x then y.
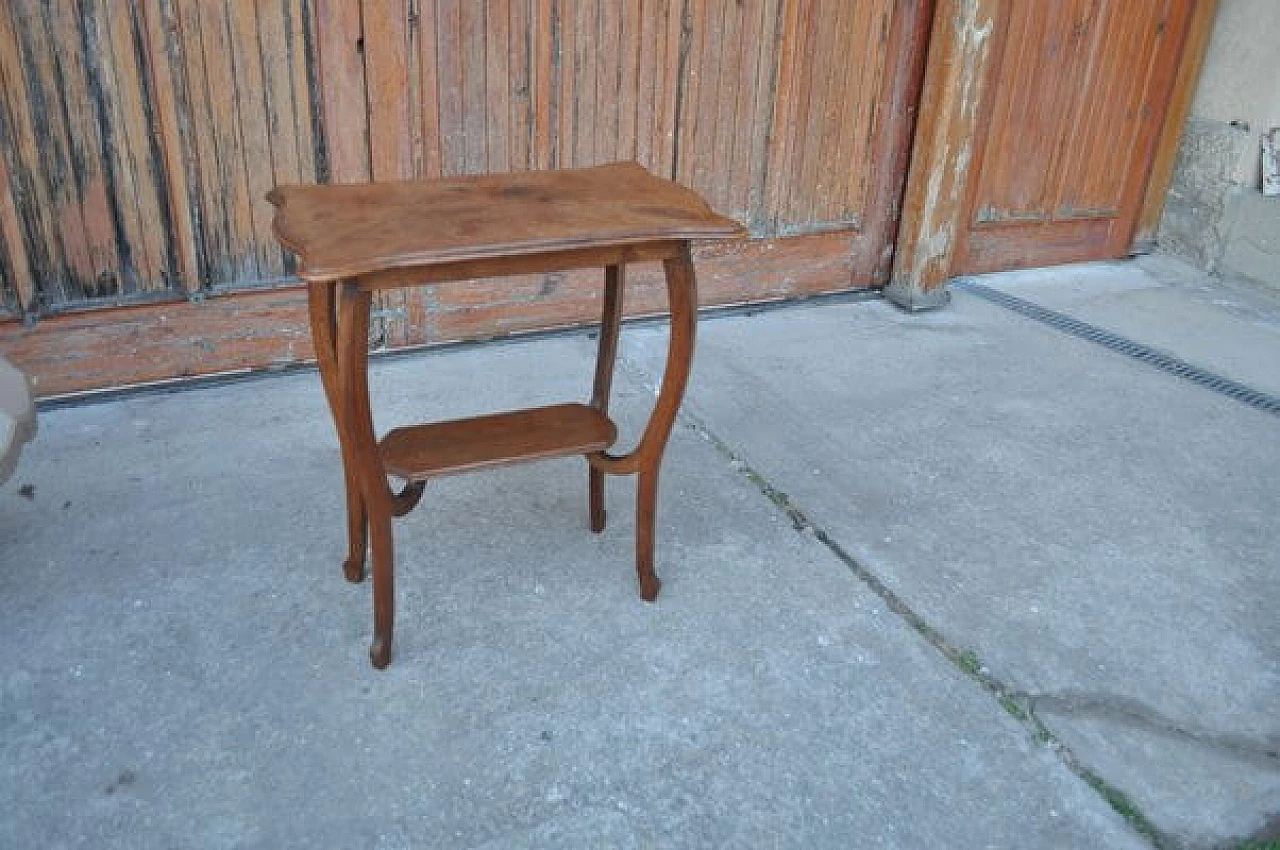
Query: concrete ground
{"type": "Point", "coordinates": [940, 580]}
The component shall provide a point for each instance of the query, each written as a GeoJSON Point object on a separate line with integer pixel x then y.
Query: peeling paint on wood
{"type": "Point", "coordinates": [955, 81]}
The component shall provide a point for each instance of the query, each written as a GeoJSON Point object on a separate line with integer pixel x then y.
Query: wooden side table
{"type": "Point", "coordinates": [354, 239]}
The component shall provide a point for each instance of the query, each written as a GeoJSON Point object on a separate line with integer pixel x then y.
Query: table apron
{"type": "Point", "coordinates": [557, 261]}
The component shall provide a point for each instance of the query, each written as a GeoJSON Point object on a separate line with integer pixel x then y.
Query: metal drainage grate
{"type": "Point", "coordinates": [1129, 348]}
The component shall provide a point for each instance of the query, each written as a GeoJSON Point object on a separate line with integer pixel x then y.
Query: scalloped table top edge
{"type": "Point", "coordinates": [343, 231]}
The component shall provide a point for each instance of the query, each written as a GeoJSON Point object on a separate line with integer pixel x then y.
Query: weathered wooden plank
{"type": "Point", "coordinates": [809, 188]}
{"type": "Point", "coordinates": [585, 67]}
{"type": "Point", "coordinates": [278, 83]}
{"type": "Point", "coordinates": [563, 85]}
{"type": "Point", "coordinates": [782, 131]}
{"type": "Point", "coordinates": [497, 48]}
{"type": "Point", "coordinates": [120, 76]}
{"type": "Point", "coordinates": [342, 83]}
{"type": "Point", "coordinates": [767, 73]}
{"type": "Point", "coordinates": [688, 115]}
{"type": "Point", "coordinates": [80, 351]}
{"type": "Point", "coordinates": [745, 127]}
{"type": "Point", "coordinates": [257, 141]}
{"type": "Point", "coordinates": [1015, 155]}
{"type": "Point", "coordinates": [867, 114]}
{"type": "Point", "coordinates": [215, 161]}
{"type": "Point", "coordinates": [608, 62]}
{"type": "Point", "coordinates": [429, 88]}
{"type": "Point", "coordinates": [931, 226]}
{"type": "Point", "coordinates": [212, 213]}
{"type": "Point", "coordinates": [1154, 113]}
{"type": "Point", "coordinates": [474, 64]}
{"type": "Point", "coordinates": [301, 38]}
{"type": "Point", "coordinates": [386, 50]}
{"type": "Point", "coordinates": [165, 60]}
{"type": "Point", "coordinates": [1190, 62]}
{"type": "Point", "coordinates": [20, 287]}
{"type": "Point", "coordinates": [68, 149]}
{"type": "Point", "coordinates": [33, 242]}
{"type": "Point", "coordinates": [669, 93]}
{"type": "Point", "coordinates": [628, 81]}
{"type": "Point", "coordinates": [520, 85]}
{"type": "Point", "coordinates": [111, 347]}
{"type": "Point", "coordinates": [728, 85]}
{"type": "Point", "coordinates": [1111, 118]}
{"type": "Point", "coordinates": [839, 100]}
{"type": "Point", "coordinates": [74, 43]}
{"type": "Point", "coordinates": [647, 76]}
{"type": "Point", "coordinates": [897, 96]}
{"type": "Point", "coordinates": [545, 69]}
{"type": "Point", "coordinates": [453, 147]}
{"type": "Point", "coordinates": [231, 187]}
{"type": "Point", "coordinates": [806, 36]}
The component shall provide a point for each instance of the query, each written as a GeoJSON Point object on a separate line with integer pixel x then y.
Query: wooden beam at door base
{"type": "Point", "coordinates": [111, 347]}
{"type": "Point", "coordinates": [956, 76]}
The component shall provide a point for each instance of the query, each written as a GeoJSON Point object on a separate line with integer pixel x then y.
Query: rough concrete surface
{"type": "Point", "coordinates": [1253, 245]}
{"type": "Point", "coordinates": [1169, 305]}
{"type": "Point", "coordinates": [1096, 532]}
{"type": "Point", "coordinates": [185, 666]}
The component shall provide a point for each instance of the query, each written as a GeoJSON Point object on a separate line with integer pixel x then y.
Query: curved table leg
{"type": "Point", "coordinates": [322, 307]}
{"type": "Point", "coordinates": [380, 502]}
{"type": "Point", "coordinates": [614, 284]}
{"type": "Point", "coordinates": [646, 458]}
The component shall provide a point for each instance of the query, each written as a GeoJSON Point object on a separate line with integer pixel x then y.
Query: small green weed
{"type": "Point", "coordinates": [1012, 706]}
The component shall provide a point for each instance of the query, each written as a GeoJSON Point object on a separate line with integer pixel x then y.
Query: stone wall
{"type": "Point", "coordinates": [1216, 215]}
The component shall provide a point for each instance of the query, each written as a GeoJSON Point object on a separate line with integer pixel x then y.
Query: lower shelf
{"type": "Point", "coordinates": [419, 452]}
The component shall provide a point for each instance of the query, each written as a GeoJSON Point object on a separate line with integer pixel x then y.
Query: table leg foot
{"type": "Point", "coordinates": [646, 510]}
{"type": "Point", "coordinates": [380, 653]}
{"type": "Point", "coordinates": [596, 487]}
{"type": "Point", "coordinates": [649, 586]}
{"type": "Point", "coordinates": [384, 592]}
{"type": "Point", "coordinates": [357, 532]}
{"type": "Point", "coordinates": [353, 569]}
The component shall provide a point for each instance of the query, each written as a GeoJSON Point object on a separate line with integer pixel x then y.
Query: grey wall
{"type": "Point", "coordinates": [1216, 215]}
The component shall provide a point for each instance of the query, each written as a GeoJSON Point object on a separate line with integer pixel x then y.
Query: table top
{"type": "Point", "coordinates": [342, 231]}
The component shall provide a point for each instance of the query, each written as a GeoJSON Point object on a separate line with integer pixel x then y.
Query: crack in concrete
{"type": "Point", "coordinates": [1015, 703]}
{"type": "Point", "coordinates": [1263, 751]}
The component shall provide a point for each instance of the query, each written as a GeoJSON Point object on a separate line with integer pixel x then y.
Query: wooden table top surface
{"type": "Point", "coordinates": [342, 231]}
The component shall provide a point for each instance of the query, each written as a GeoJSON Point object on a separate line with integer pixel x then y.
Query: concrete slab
{"type": "Point", "coordinates": [1164, 303]}
{"type": "Point", "coordinates": [1095, 532]}
{"type": "Point", "coordinates": [185, 666]}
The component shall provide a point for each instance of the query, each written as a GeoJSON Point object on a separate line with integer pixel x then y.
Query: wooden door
{"type": "Point", "coordinates": [136, 139]}
{"type": "Point", "coordinates": [1077, 99]}
{"type": "Point", "coordinates": [794, 116]}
